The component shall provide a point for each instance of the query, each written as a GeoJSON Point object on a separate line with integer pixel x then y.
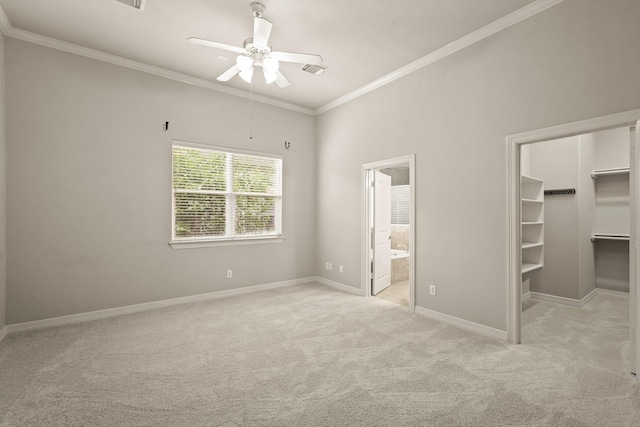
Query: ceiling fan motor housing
{"type": "Point", "coordinates": [257, 9]}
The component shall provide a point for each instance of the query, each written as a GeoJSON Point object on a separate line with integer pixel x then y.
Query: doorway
{"type": "Point", "coordinates": [388, 224]}
{"type": "Point", "coordinates": [516, 210]}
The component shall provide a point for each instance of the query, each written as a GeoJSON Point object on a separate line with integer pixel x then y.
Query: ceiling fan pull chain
{"type": "Point", "coordinates": [251, 111]}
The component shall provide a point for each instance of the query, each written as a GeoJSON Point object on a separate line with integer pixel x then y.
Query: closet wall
{"type": "Point", "coordinates": [574, 265]}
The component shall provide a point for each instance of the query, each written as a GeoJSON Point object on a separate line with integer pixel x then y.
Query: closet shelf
{"type": "Point", "coordinates": [529, 245]}
{"type": "Point", "coordinates": [604, 172]}
{"type": "Point", "coordinates": [531, 179]}
{"type": "Point", "coordinates": [606, 236]}
{"type": "Point", "coordinates": [528, 267]}
{"type": "Point", "coordinates": [531, 223]}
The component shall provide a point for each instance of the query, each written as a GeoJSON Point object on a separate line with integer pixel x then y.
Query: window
{"type": "Point", "coordinates": [224, 195]}
{"type": "Point", "coordinates": [400, 205]}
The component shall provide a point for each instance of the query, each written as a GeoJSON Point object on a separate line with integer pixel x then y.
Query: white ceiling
{"type": "Point", "coordinates": [359, 40]}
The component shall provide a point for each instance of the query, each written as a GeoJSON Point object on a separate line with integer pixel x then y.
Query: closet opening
{"type": "Point", "coordinates": [572, 236]}
{"type": "Point", "coordinates": [388, 200]}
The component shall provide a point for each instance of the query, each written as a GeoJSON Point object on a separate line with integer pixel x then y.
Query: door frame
{"type": "Point", "coordinates": [366, 173]}
{"type": "Point", "coordinates": [514, 145]}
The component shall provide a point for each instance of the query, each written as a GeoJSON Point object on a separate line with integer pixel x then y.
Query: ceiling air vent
{"type": "Point", "coordinates": [138, 4]}
{"type": "Point", "coordinates": [314, 69]}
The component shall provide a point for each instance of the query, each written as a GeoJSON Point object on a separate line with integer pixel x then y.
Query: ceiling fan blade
{"type": "Point", "coordinates": [209, 43]}
{"type": "Point", "coordinates": [300, 58]}
{"type": "Point", "coordinates": [228, 74]}
{"type": "Point", "coordinates": [281, 80]}
{"type": "Point", "coordinates": [261, 31]}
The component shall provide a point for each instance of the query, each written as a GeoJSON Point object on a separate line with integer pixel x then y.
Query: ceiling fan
{"type": "Point", "coordinates": [256, 52]}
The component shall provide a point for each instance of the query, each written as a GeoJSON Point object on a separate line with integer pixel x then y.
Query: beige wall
{"type": "Point", "coordinates": [89, 178]}
{"type": "Point", "coordinates": [3, 181]}
{"type": "Point", "coordinates": [557, 163]}
{"type": "Point", "coordinates": [569, 220]}
{"type": "Point", "coordinates": [574, 61]}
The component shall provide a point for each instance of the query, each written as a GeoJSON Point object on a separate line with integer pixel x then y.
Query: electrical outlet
{"type": "Point", "coordinates": [341, 269]}
{"type": "Point", "coordinates": [432, 290]}
{"type": "Point", "coordinates": [330, 266]}
{"type": "Point", "coordinates": [229, 274]}
{"type": "Point", "coordinates": [326, 265]}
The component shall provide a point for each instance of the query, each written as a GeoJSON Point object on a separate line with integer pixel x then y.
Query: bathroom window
{"type": "Point", "coordinates": [224, 195]}
{"type": "Point", "coordinates": [400, 205]}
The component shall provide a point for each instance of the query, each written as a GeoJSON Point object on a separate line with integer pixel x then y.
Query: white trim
{"type": "Point", "coordinates": [5, 25]}
{"type": "Point", "coordinates": [462, 323]}
{"type": "Point", "coordinates": [514, 142]}
{"type": "Point", "coordinates": [3, 333]}
{"type": "Point", "coordinates": [566, 301]}
{"type": "Point", "coordinates": [137, 308]}
{"type": "Point", "coordinates": [463, 42]}
{"type": "Point", "coordinates": [609, 292]}
{"type": "Point", "coordinates": [41, 40]}
{"type": "Point", "coordinates": [193, 244]}
{"type": "Point", "coordinates": [336, 285]}
{"type": "Point", "coordinates": [365, 236]}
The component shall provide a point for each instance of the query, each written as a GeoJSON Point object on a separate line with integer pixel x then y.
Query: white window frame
{"type": "Point", "coordinates": [229, 238]}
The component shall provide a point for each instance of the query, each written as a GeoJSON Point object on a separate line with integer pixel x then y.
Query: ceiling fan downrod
{"type": "Point", "coordinates": [257, 9]}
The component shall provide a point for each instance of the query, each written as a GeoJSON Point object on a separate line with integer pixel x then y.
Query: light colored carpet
{"type": "Point", "coordinates": [398, 293]}
{"type": "Point", "coordinates": [312, 356]}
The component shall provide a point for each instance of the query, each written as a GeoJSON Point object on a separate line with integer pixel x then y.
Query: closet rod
{"type": "Point", "coordinates": [606, 236]}
{"type": "Point", "coordinates": [560, 192]}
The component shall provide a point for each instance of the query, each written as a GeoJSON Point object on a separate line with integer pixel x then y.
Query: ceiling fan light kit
{"type": "Point", "coordinates": [256, 52]}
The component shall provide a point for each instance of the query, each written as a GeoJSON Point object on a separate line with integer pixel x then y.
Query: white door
{"type": "Point", "coordinates": [381, 232]}
{"type": "Point", "coordinates": [633, 255]}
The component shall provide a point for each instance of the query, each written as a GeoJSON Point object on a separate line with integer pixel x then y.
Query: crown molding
{"type": "Point", "coordinates": [474, 37]}
{"type": "Point", "coordinates": [471, 38]}
{"type": "Point", "coordinates": [5, 25]}
{"type": "Point", "coordinates": [15, 33]}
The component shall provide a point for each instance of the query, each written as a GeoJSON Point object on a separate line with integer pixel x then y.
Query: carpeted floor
{"type": "Point", "coordinates": [312, 356]}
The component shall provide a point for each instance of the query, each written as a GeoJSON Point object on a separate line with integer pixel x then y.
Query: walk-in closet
{"type": "Point", "coordinates": [575, 215]}
{"type": "Point", "coordinates": [575, 220]}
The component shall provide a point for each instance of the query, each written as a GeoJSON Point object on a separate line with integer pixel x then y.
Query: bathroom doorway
{"type": "Point", "coordinates": [388, 236]}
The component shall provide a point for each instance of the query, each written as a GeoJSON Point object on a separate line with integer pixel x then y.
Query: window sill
{"type": "Point", "coordinates": [192, 244]}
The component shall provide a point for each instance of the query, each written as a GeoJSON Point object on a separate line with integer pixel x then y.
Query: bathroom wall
{"type": "Point", "coordinates": [399, 175]}
{"type": "Point", "coordinates": [400, 240]}
{"type": "Point", "coordinates": [399, 232]}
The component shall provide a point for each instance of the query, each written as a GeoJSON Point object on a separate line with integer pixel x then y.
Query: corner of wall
{"type": "Point", "coordinates": [3, 204]}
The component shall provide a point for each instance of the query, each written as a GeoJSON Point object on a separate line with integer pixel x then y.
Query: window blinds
{"type": "Point", "coordinates": [400, 203]}
{"type": "Point", "coordinates": [224, 194]}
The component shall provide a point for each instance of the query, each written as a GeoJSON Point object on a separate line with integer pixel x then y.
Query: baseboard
{"type": "Point", "coordinates": [137, 308]}
{"type": "Point", "coordinates": [611, 293]}
{"type": "Point", "coordinates": [338, 286]}
{"type": "Point", "coordinates": [3, 333]}
{"type": "Point", "coordinates": [566, 301]}
{"type": "Point", "coordinates": [463, 324]}
{"type": "Point", "coordinates": [526, 296]}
